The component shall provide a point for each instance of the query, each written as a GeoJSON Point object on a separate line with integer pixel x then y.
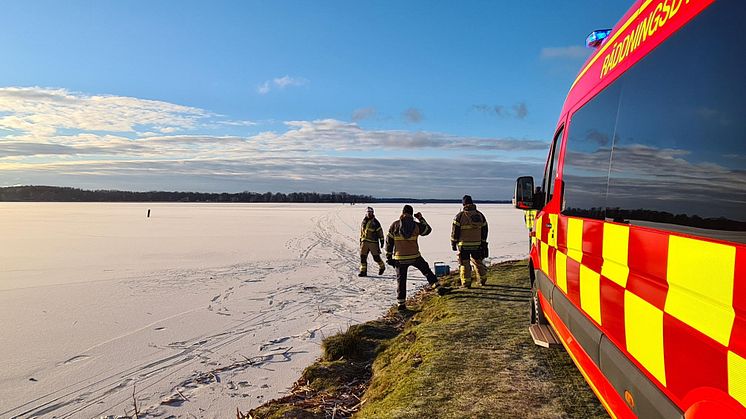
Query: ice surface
{"type": "Point", "coordinates": [199, 309]}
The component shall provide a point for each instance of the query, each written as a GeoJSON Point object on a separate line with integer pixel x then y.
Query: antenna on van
{"type": "Point", "coordinates": [597, 37]}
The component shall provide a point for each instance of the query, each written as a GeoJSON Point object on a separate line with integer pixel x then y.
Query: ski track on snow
{"type": "Point", "coordinates": [195, 362]}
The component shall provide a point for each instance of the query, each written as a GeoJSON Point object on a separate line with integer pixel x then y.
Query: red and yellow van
{"type": "Point", "coordinates": [639, 257]}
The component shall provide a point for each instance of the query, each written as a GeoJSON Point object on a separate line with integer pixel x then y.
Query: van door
{"type": "Point", "coordinates": [546, 223]}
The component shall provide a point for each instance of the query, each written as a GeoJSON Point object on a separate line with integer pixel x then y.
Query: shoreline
{"type": "Point", "coordinates": [431, 361]}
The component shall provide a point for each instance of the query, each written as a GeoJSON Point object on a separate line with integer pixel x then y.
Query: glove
{"type": "Point", "coordinates": [381, 244]}
{"type": "Point", "coordinates": [454, 247]}
{"type": "Point", "coordinates": [390, 260]}
{"type": "Point", "coordinates": [485, 249]}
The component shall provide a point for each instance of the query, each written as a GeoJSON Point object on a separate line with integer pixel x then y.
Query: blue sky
{"type": "Point", "coordinates": [388, 98]}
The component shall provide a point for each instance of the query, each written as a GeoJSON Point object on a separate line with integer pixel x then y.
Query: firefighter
{"type": "Point", "coordinates": [402, 252]}
{"type": "Point", "coordinates": [371, 234]}
{"type": "Point", "coordinates": [469, 238]}
{"type": "Point", "coordinates": [530, 217]}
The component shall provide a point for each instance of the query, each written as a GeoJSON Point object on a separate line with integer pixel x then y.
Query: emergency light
{"type": "Point", "coordinates": [597, 37]}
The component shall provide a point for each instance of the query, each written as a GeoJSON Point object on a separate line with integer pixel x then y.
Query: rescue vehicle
{"type": "Point", "coordinates": [638, 255]}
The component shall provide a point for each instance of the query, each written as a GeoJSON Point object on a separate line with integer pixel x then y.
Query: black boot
{"type": "Point", "coordinates": [362, 273]}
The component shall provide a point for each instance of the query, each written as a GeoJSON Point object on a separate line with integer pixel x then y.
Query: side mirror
{"type": "Point", "coordinates": [523, 198]}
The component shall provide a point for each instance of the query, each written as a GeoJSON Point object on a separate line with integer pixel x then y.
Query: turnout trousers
{"type": "Point", "coordinates": [401, 276]}
{"type": "Point", "coordinates": [465, 259]}
{"type": "Point", "coordinates": [374, 249]}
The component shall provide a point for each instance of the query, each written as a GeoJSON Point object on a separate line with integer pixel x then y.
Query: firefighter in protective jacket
{"type": "Point", "coordinates": [371, 234]}
{"type": "Point", "coordinates": [402, 251]}
{"type": "Point", "coordinates": [469, 238]}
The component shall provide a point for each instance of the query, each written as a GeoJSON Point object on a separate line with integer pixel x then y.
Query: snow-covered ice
{"type": "Point", "coordinates": [198, 310]}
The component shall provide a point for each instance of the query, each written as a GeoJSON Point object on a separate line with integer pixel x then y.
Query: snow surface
{"type": "Point", "coordinates": [199, 309]}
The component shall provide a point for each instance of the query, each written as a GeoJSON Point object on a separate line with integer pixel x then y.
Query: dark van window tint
{"type": "Point", "coordinates": [587, 155]}
{"type": "Point", "coordinates": [551, 170]}
{"type": "Point", "coordinates": [679, 152]}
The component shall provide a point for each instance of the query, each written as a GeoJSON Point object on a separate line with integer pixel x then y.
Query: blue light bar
{"type": "Point", "coordinates": [596, 38]}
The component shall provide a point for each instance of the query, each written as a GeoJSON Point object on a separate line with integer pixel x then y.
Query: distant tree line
{"type": "Point", "coordinates": [65, 194]}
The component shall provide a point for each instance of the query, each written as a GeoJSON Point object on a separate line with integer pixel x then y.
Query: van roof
{"type": "Point", "coordinates": [646, 25]}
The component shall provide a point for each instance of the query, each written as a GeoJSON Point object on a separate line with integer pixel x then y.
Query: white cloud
{"type": "Point", "coordinates": [263, 88]}
{"type": "Point", "coordinates": [574, 52]}
{"type": "Point", "coordinates": [283, 82]}
{"type": "Point", "coordinates": [331, 134]}
{"type": "Point", "coordinates": [53, 136]}
{"type": "Point", "coordinates": [45, 114]}
{"type": "Point", "coordinates": [280, 83]}
{"type": "Point", "coordinates": [319, 137]}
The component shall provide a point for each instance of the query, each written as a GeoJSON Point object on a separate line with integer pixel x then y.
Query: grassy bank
{"type": "Point", "coordinates": [467, 354]}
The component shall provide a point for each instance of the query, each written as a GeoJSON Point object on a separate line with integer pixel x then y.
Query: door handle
{"type": "Point", "coordinates": [548, 225]}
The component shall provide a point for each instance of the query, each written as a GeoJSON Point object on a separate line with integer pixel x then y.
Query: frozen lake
{"type": "Point", "coordinates": [223, 304]}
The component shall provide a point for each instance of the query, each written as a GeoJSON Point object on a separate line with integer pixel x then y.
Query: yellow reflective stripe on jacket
{"type": "Point", "coordinates": [405, 248]}
{"type": "Point", "coordinates": [463, 243]}
{"type": "Point", "coordinates": [369, 233]}
{"type": "Point", "coordinates": [406, 257]}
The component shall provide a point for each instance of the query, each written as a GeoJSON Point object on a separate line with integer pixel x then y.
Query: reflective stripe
{"type": "Point", "coordinates": [643, 326]}
{"type": "Point", "coordinates": [614, 251]}
{"type": "Point", "coordinates": [737, 377]}
{"type": "Point", "coordinates": [700, 286]}
{"type": "Point", "coordinates": [369, 231]}
{"type": "Point", "coordinates": [590, 293]}
{"type": "Point", "coordinates": [560, 266]}
{"type": "Point", "coordinates": [663, 297]}
{"type": "Point", "coordinates": [609, 42]}
{"type": "Point", "coordinates": [544, 257]}
{"type": "Point", "coordinates": [575, 239]}
{"type": "Point", "coordinates": [552, 236]}
{"type": "Point", "coordinates": [479, 243]}
{"type": "Point", "coordinates": [406, 257]}
{"type": "Point", "coordinates": [530, 217]}
{"type": "Point", "coordinates": [402, 239]}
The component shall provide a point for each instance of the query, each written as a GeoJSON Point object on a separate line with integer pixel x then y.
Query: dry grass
{"type": "Point", "coordinates": [467, 354]}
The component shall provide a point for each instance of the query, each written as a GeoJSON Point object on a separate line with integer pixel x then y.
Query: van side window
{"type": "Point", "coordinates": [551, 175]}
{"type": "Point", "coordinates": [680, 148]}
{"type": "Point", "coordinates": [588, 153]}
